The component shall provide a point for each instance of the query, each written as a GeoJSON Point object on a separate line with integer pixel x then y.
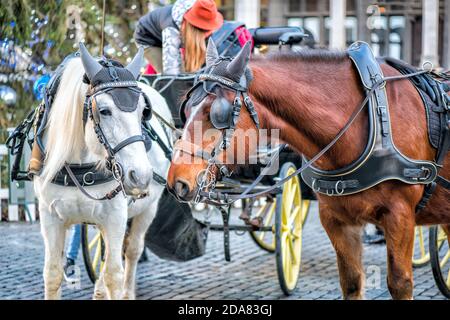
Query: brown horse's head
{"type": "Point", "coordinates": [210, 112]}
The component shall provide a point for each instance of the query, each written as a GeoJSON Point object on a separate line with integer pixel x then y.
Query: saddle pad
{"type": "Point", "coordinates": [423, 85]}
{"type": "Point", "coordinates": [433, 120]}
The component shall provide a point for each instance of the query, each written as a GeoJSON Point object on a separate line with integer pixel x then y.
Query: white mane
{"type": "Point", "coordinates": [64, 131]}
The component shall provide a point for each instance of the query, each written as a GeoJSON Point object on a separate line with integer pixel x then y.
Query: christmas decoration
{"type": "Point", "coordinates": [8, 95]}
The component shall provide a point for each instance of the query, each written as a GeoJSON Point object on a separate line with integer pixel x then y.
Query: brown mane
{"type": "Point", "coordinates": [307, 55]}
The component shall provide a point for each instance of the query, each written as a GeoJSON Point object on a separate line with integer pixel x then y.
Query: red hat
{"type": "Point", "coordinates": [204, 15]}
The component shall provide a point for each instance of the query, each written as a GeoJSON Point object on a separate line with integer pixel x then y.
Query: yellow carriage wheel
{"type": "Point", "coordinates": [93, 249]}
{"type": "Point", "coordinates": [290, 215]}
{"type": "Point", "coordinates": [265, 239]}
{"type": "Point", "coordinates": [440, 258]}
{"type": "Point", "coordinates": [421, 253]}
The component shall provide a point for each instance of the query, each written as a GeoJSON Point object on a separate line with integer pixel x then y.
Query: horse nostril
{"type": "Point", "coordinates": [181, 188]}
{"type": "Point", "coordinates": [133, 177]}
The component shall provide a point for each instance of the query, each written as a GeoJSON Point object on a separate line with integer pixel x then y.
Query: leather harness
{"type": "Point", "coordinates": [381, 160]}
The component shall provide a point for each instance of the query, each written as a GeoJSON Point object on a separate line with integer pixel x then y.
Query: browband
{"type": "Point", "coordinates": [115, 84]}
{"type": "Point", "coordinates": [222, 80]}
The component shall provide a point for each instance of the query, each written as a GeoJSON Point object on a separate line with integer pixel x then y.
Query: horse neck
{"type": "Point", "coordinates": [310, 102]}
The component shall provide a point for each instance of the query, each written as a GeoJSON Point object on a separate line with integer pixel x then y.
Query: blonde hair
{"type": "Point", "coordinates": [195, 47]}
{"type": "Point", "coordinates": [64, 129]}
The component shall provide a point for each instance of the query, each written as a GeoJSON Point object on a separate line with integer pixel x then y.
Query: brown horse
{"type": "Point", "coordinates": [309, 96]}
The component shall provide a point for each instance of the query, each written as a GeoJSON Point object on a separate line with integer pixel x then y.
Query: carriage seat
{"type": "Point", "coordinates": [277, 35]}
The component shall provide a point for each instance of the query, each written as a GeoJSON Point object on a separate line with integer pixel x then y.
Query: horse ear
{"type": "Point", "coordinates": [91, 66]}
{"type": "Point", "coordinates": [211, 53]}
{"type": "Point", "coordinates": [239, 63]}
{"type": "Point", "coordinates": [136, 64]}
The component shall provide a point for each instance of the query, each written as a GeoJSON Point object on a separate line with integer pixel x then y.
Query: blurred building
{"type": "Point", "coordinates": [411, 30]}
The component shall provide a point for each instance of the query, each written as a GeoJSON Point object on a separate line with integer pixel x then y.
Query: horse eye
{"type": "Point", "coordinates": [105, 112]}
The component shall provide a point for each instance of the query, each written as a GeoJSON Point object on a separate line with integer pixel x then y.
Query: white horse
{"type": "Point", "coordinates": [68, 140]}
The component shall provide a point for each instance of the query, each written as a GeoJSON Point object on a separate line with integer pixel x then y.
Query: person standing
{"type": "Point", "coordinates": [73, 248]}
{"type": "Point", "coordinates": [174, 37]}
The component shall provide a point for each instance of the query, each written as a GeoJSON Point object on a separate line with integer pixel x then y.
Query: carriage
{"type": "Point", "coordinates": [275, 220]}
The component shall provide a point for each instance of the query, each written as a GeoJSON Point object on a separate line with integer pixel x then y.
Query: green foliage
{"type": "Point", "coordinates": [16, 23]}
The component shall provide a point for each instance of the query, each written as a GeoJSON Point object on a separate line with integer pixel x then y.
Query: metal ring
{"type": "Point", "coordinates": [88, 183]}
{"type": "Point", "coordinates": [198, 178]}
{"type": "Point", "coordinates": [65, 181]}
{"type": "Point", "coordinates": [329, 193]}
{"type": "Point", "coordinates": [427, 63]}
{"type": "Point", "coordinates": [336, 187]}
{"type": "Point", "coordinates": [117, 171]}
{"type": "Point", "coordinates": [313, 186]}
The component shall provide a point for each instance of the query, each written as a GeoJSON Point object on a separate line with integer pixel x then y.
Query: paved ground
{"type": "Point", "coordinates": [250, 275]}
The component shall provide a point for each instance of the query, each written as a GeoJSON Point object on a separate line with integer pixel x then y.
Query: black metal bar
{"type": "Point", "coordinates": [234, 227]}
{"type": "Point", "coordinates": [226, 232]}
{"type": "Point", "coordinates": [243, 186]}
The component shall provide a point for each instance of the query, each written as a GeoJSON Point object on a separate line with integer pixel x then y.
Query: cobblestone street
{"type": "Point", "coordinates": [251, 274]}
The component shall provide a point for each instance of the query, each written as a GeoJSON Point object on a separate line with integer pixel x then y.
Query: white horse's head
{"type": "Point", "coordinates": [117, 112]}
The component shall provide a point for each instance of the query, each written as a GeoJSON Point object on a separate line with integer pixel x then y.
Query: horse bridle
{"type": "Point", "coordinates": [224, 116]}
{"type": "Point", "coordinates": [90, 110]}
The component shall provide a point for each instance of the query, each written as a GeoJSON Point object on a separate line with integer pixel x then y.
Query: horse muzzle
{"type": "Point", "coordinates": [137, 182]}
{"type": "Point", "coordinates": [182, 191]}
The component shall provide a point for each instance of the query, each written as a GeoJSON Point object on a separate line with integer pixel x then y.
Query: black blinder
{"type": "Point", "coordinates": [221, 113]}
{"type": "Point", "coordinates": [196, 95]}
{"type": "Point", "coordinates": [147, 113]}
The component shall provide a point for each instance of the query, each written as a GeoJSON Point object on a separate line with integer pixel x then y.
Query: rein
{"type": "Point", "coordinates": [225, 199]}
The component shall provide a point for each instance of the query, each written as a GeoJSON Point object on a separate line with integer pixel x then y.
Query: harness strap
{"type": "Point", "coordinates": [127, 142]}
{"type": "Point", "coordinates": [115, 84]}
{"type": "Point", "coordinates": [443, 182]}
{"type": "Point", "coordinates": [110, 195]}
{"type": "Point", "coordinates": [159, 179]}
{"type": "Point", "coordinates": [155, 137]}
{"type": "Point", "coordinates": [222, 80]}
{"type": "Point", "coordinates": [427, 193]}
{"type": "Point", "coordinates": [338, 186]}
{"type": "Point", "coordinates": [193, 149]}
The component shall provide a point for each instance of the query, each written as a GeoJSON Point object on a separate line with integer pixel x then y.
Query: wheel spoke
{"type": "Point", "coordinates": [286, 257]}
{"type": "Point", "coordinates": [441, 236]}
{"type": "Point", "coordinates": [102, 264]}
{"type": "Point", "coordinates": [421, 243]}
{"type": "Point", "coordinates": [98, 251]}
{"type": "Point", "coordinates": [94, 240]}
{"type": "Point", "coordinates": [297, 233]}
{"type": "Point", "coordinates": [290, 197]}
{"type": "Point", "coordinates": [445, 259]}
{"type": "Point", "coordinates": [260, 211]}
{"type": "Point", "coordinates": [267, 221]}
{"type": "Point", "coordinates": [290, 245]}
{"type": "Point", "coordinates": [294, 215]}
{"type": "Point", "coordinates": [270, 215]}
